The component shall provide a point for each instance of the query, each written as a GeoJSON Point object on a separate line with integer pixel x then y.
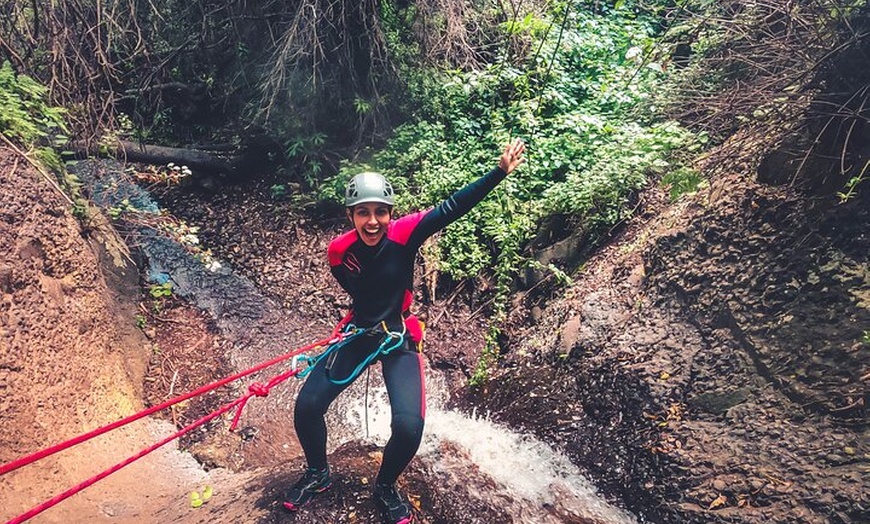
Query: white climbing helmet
{"type": "Point", "coordinates": [369, 187]}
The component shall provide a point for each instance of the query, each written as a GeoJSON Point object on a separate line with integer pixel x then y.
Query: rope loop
{"type": "Point", "coordinates": [384, 348]}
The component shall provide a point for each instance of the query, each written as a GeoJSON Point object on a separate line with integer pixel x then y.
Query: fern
{"type": "Point", "coordinates": [25, 113]}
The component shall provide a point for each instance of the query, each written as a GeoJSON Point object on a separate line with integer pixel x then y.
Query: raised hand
{"type": "Point", "coordinates": [512, 156]}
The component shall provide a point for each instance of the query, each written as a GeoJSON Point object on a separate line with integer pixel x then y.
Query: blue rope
{"type": "Point", "coordinates": [312, 361]}
{"type": "Point", "coordinates": [384, 348]}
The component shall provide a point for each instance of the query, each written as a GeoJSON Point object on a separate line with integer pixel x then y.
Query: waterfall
{"type": "Point", "coordinates": [536, 483]}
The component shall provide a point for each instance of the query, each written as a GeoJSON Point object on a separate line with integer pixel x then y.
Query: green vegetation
{"type": "Point", "coordinates": [578, 103]}
{"type": "Point", "coordinates": [25, 114]}
{"type": "Point", "coordinates": [159, 291]}
{"type": "Point", "coordinates": [850, 190]}
{"type": "Point", "coordinates": [579, 98]}
{"type": "Point", "coordinates": [610, 98]}
{"type": "Point", "coordinates": [28, 118]}
{"type": "Point", "coordinates": [125, 207]}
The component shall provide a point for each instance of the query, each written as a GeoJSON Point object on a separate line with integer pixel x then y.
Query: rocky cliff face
{"type": "Point", "coordinates": [711, 364]}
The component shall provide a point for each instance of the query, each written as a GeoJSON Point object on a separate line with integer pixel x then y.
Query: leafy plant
{"type": "Point", "coordinates": [362, 106]}
{"type": "Point", "coordinates": [682, 181]}
{"type": "Point", "coordinates": [306, 151]}
{"type": "Point", "coordinates": [851, 187]}
{"type": "Point", "coordinates": [27, 116]}
{"type": "Point", "coordinates": [277, 191]}
{"type": "Point", "coordinates": [579, 98]}
{"type": "Point", "coordinates": [80, 209]}
{"type": "Point", "coordinates": [163, 290]}
{"type": "Point", "coordinates": [124, 207]}
{"type": "Point", "coordinates": [25, 113]}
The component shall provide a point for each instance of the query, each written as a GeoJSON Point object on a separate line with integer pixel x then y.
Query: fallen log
{"type": "Point", "coordinates": [196, 160]}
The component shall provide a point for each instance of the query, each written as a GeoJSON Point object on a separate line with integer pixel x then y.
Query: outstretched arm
{"type": "Point", "coordinates": [466, 198]}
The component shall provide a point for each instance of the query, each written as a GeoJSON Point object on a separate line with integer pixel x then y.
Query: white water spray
{"type": "Point", "coordinates": [531, 480]}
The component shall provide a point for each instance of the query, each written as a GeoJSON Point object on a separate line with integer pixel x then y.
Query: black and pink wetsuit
{"type": "Point", "coordinates": [380, 282]}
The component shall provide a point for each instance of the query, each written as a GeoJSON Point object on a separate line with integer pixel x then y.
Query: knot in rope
{"type": "Point", "coordinates": [261, 390]}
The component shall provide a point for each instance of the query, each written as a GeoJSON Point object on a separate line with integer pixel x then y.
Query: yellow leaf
{"type": "Point", "coordinates": [664, 376]}
{"type": "Point", "coordinates": [207, 492]}
{"type": "Point", "coordinates": [195, 499]}
{"type": "Point", "coordinates": [721, 500]}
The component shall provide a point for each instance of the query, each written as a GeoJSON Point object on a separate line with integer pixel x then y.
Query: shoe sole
{"type": "Point", "coordinates": [406, 520]}
{"type": "Point", "coordinates": [289, 506]}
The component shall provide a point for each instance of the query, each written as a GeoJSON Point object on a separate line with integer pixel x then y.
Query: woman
{"type": "Point", "coordinates": [374, 263]}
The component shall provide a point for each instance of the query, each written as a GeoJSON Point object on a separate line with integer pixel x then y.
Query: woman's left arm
{"type": "Point", "coordinates": [462, 201]}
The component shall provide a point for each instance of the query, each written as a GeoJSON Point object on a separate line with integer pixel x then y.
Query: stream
{"type": "Point", "coordinates": [522, 476]}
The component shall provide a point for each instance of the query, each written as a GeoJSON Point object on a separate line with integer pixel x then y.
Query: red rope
{"type": "Point", "coordinates": [23, 461]}
{"type": "Point", "coordinates": [75, 489]}
{"type": "Point", "coordinates": [255, 389]}
{"type": "Point", "coordinates": [260, 390]}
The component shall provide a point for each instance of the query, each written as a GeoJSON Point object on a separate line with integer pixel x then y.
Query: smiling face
{"type": "Point", "coordinates": [370, 220]}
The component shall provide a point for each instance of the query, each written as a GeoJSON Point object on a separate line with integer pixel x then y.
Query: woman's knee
{"type": "Point", "coordinates": [408, 427]}
{"type": "Point", "coordinates": [308, 406]}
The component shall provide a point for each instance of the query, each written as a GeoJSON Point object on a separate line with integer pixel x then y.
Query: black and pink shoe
{"type": "Point", "coordinates": [393, 505]}
{"type": "Point", "coordinates": [313, 482]}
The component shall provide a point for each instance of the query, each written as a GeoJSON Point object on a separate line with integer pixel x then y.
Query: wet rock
{"type": "Point", "coordinates": [717, 402]}
{"type": "Point", "coordinates": [833, 458]}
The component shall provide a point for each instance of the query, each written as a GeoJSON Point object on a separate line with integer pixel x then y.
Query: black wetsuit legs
{"type": "Point", "coordinates": [403, 376]}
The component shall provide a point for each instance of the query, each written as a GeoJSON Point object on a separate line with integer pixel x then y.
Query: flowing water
{"type": "Point", "coordinates": [489, 462]}
{"type": "Point", "coordinates": [527, 474]}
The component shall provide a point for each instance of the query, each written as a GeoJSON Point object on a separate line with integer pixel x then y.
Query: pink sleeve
{"type": "Point", "coordinates": [339, 246]}
{"type": "Point", "coordinates": [400, 230]}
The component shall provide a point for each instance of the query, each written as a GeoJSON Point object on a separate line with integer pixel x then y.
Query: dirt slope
{"type": "Point", "coordinates": [711, 363]}
{"type": "Point", "coordinates": [71, 357]}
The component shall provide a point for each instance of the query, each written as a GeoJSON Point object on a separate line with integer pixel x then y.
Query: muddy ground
{"type": "Point", "coordinates": [72, 357]}
{"type": "Point", "coordinates": [708, 364]}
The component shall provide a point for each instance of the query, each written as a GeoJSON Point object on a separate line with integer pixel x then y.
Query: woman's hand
{"type": "Point", "coordinates": [512, 156]}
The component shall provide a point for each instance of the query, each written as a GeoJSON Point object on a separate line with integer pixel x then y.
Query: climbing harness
{"type": "Point", "coordinates": [391, 341]}
{"type": "Point", "coordinates": [350, 332]}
